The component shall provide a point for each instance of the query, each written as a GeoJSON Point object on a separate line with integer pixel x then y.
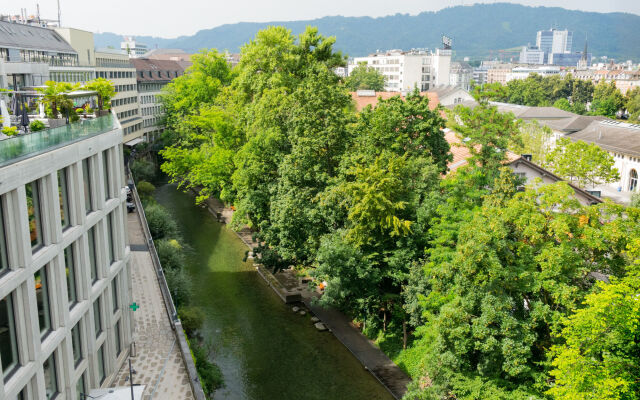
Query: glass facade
{"type": "Point", "coordinates": [50, 378]}
{"type": "Point", "coordinates": [76, 344]}
{"type": "Point", "coordinates": [80, 388]}
{"type": "Point", "coordinates": [101, 367]}
{"type": "Point", "coordinates": [23, 146]}
{"type": "Point", "coordinates": [105, 174]}
{"type": "Point", "coordinates": [93, 257]}
{"type": "Point", "coordinates": [111, 244]}
{"type": "Point", "coordinates": [114, 294]}
{"type": "Point", "coordinates": [35, 216]}
{"type": "Point", "coordinates": [42, 298]}
{"type": "Point", "coordinates": [63, 193]}
{"type": "Point", "coordinates": [97, 317]}
{"type": "Point", "coordinates": [86, 177]}
{"type": "Point", "coordinates": [70, 272]}
{"type": "Point", "coordinates": [4, 257]}
{"type": "Point", "coordinates": [8, 337]}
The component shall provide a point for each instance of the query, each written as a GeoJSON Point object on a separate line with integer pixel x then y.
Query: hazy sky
{"type": "Point", "coordinates": [171, 18]}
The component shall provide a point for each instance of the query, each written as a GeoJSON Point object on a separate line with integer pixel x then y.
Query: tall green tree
{"type": "Point", "coordinates": [364, 77]}
{"type": "Point", "coordinates": [105, 90]}
{"type": "Point", "coordinates": [607, 99]}
{"type": "Point", "coordinates": [585, 164]}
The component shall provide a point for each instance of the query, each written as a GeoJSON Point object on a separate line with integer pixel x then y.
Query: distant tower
{"type": "Point", "coordinates": [584, 60]}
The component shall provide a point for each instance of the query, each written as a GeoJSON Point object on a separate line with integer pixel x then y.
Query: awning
{"type": "Point", "coordinates": [134, 142]}
{"type": "Point", "coordinates": [117, 393]}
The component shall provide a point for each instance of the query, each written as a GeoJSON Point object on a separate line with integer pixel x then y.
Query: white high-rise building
{"type": "Point", "coordinates": [65, 267]}
{"type": "Point", "coordinates": [132, 48]}
{"type": "Point", "coordinates": [406, 70]}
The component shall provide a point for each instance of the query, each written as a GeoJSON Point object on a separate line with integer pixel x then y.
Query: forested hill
{"type": "Point", "coordinates": [476, 31]}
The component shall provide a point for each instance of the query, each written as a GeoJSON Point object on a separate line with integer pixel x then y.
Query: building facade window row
{"type": "Point", "coordinates": [63, 277]}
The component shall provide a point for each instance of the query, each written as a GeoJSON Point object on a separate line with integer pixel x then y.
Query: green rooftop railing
{"type": "Point", "coordinates": [24, 146]}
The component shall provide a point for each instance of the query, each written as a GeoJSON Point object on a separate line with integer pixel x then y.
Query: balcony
{"type": "Point", "coordinates": [24, 146]}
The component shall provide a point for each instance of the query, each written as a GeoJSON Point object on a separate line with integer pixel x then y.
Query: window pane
{"type": "Point", "coordinates": [93, 259]}
{"type": "Point", "coordinates": [101, 369]}
{"type": "Point", "coordinates": [97, 317]}
{"type": "Point", "coordinates": [4, 258]}
{"type": "Point", "coordinates": [42, 299]}
{"type": "Point", "coordinates": [35, 220]}
{"type": "Point", "coordinates": [80, 387]}
{"type": "Point", "coordinates": [86, 173]}
{"type": "Point", "coordinates": [70, 270]}
{"type": "Point", "coordinates": [105, 171]}
{"type": "Point", "coordinates": [114, 294]}
{"type": "Point", "coordinates": [50, 379]}
{"type": "Point", "coordinates": [118, 342]}
{"type": "Point", "coordinates": [8, 339]}
{"type": "Point", "coordinates": [112, 252]}
{"type": "Point", "coordinates": [76, 343]}
{"type": "Point", "coordinates": [64, 197]}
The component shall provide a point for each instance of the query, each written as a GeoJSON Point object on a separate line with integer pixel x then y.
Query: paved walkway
{"type": "Point", "coordinates": [158, 364]}
{"type": "Point", "coordinates": [364, 349]}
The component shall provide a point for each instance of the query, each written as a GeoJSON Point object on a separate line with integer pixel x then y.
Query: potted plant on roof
{"type": "Point", "coordinates": [105, 91]}
{"type": "Point", "coordinates": [55, 96]}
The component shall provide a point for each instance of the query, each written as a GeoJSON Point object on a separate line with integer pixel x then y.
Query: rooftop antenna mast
{"type": "Point", "coordinates": [60, 26]}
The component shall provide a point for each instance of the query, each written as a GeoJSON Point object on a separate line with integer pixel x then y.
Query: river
{"type": "Point", "coordinates": [265, 351]}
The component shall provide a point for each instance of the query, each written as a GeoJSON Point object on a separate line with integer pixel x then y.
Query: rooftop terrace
{"type": "Point", "coordinates": [20, 147]}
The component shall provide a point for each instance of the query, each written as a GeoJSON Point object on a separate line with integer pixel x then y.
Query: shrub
{"type": "Point", "coordinates": [160, 222]}
{"type": "Point", "coordinates": [143, 170]}
{"type": "Point", "coordinates": [192, 319]}
{"type": "Point", "coordinates": [210, 374]}
{"type": "Point", "coordinates": [179, 286]}
{"type": "Point", "coordinates": [10, 130]}
{"type": "Point", "coordinates": [635, 200]}
{"type": "Point", "coordinates": [170, 253]}
{"type": "Point", "coordinates": [37, 126]}
{"type": "Point", "coordinates": [145, 188]}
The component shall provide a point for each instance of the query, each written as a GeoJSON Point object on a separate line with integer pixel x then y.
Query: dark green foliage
{"type": "Point", "coordinates": [170, 253]}
{"type": "Point", "coordinates": [365, 78]}
{"type": "Point", "coordinates": [192, 319]}
{"type": "Point", "coordinates": [143, 170]}
{"type": "Point", "coordinates": [145, 189]}
{"type": "Point", "coordinates": [209, 373]}
{"type": "Point", "coordinates": [161, 223]}
{"type": "Point", "coordinates": [179, 285]}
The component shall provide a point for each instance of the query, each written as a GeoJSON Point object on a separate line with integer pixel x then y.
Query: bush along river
{"type": "Point", "coordinates": [264, 350]}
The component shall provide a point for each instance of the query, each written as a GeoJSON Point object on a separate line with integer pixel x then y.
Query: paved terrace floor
{"type": "Point", "coordinates": [158, 363]}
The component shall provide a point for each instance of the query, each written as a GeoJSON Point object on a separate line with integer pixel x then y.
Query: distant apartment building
{"type": "Point", "coordinates": [553, 47]}
{"type": "Point", "coordinates": [524, 72]}
{"type": "Point", "coordinates": [28, 52]}
{"type": "Point", "coordinates": [407, 70]}
{"type": "Point", "coordinates": [461, 75]}
{"type": "Point", "coordinates": [152, 76]}
{"type": "Point", "coordinates": [115, 66]}
{"type": "Point", "coordinates": [498, 73]}
{"type": "Point", "coordinates": [624, 79]}
{"type": "Point", "coordinates": [133, 48]}
{"type": "Point", "coordinates": [65, 267]}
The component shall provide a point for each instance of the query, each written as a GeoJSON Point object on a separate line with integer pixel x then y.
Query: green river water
{"type": "Point", "coordinates": [265, 351]}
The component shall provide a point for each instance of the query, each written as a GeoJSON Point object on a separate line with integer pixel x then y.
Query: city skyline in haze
{"type": "Point", "coordinates": [162, 18]}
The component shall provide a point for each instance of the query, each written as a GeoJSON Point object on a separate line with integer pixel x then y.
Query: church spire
{"type": "Point", "coordinates": [584, 53]}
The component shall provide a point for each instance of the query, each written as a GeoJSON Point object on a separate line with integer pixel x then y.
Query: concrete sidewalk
{"type": "Point", "coordinates": [158, 364]}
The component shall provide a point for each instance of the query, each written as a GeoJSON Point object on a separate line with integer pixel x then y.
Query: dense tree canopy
{"type": "Point", "coordinates": [481, 291]}
{"type": "Point", "coordinates": [365, 78]}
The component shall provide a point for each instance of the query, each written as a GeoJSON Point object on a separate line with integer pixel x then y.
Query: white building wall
{"type": "Point", "coordinates": [17, 281]}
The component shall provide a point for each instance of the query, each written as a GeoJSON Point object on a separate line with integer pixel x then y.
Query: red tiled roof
{"type": "Point", "coordinates": [363, 101]}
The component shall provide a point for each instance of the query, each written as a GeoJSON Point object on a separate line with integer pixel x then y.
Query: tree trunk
{"type": "Point", "coordinates": [404, 334]}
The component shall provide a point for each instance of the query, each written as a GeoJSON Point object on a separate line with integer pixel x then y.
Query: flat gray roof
{"type": "Point", "coordinates": [618, 137]}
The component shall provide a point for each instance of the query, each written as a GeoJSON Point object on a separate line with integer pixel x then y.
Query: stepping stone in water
{"type": "Point", "coordinates": [295, 309]}
{"type": "Point", "coordinates": [315, 319]}
{"type": "Point", "coordinates": [320, 326]}
{"type": "Point", "coordinates": [302, 312]}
